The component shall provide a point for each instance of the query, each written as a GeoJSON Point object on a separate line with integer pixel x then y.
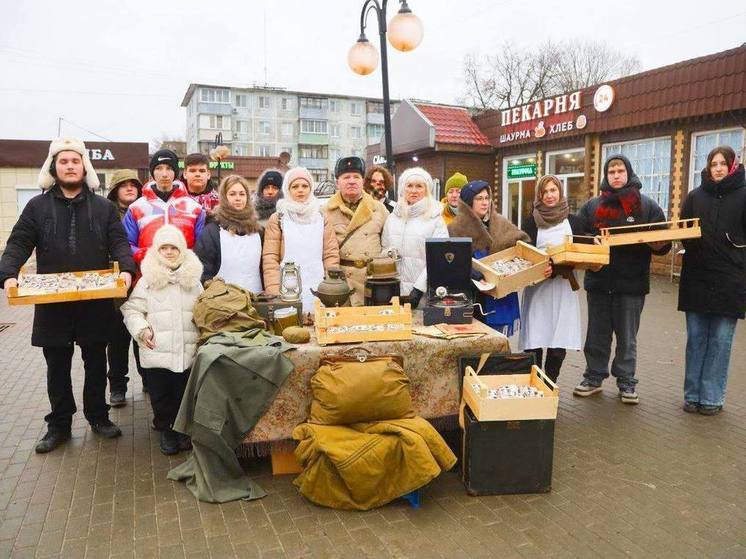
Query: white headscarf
{"type": "Point", "coordinates": [300, 212]}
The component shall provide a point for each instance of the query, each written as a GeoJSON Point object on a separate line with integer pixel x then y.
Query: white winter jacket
{"type": "Point", "coordinates": [407, 236]}
{"type": "Point", "coordinates": [163, 300]}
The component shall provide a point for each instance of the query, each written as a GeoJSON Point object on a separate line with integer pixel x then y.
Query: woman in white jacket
{"type": "Point", "coordinates": [158, 314]}
{"type": "Point", "coordinates": [416, 217]}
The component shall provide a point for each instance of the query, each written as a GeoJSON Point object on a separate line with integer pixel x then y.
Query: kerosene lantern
{"type": "Point", "coordinates": [290, 282]}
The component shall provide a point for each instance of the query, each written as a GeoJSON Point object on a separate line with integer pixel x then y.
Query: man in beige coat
{"type": "Point", "coordinates": [357, 220]}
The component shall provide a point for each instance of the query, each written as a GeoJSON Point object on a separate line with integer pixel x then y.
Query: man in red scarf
{"type": "Point", "coordinates": [616, 293]}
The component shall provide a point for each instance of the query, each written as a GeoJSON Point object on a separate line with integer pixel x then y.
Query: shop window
{"type": "Point", "coordinates": [651, 161]}
{"type": "Point", "coordinates": [519, 182]}
{"type": "Point", "coordinates": [703, 143]}
{"type": "Point", "coordinates": [568, 166]}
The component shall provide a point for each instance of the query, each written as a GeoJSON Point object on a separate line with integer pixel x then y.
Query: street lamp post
{"type": "Point", "coordinates": [405, 34]}
{"type": "Point", "coordinates": [219, 152]}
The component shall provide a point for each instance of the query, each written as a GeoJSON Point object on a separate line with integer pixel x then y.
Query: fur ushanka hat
{"type": "Point", "coordinates": [46, 180]}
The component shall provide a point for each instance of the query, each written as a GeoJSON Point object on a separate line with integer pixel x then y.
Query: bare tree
{"type": "Point", "coordinates": [513, 76]}
{"type": "Point", "coordinates": [581, 64]}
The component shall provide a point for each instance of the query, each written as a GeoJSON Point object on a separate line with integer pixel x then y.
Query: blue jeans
{"type": "Point", "coordinates": [708, 343]}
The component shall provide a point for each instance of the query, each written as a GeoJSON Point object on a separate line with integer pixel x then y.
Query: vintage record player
{"type": "Point", "coordinates": [449, 291]}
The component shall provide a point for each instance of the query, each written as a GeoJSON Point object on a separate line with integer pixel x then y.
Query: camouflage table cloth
{"type": "Point", "coordinates": [431, 364]}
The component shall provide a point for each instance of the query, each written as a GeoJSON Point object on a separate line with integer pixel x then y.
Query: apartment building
{"type": "Point", "coordinates": [314, 128]}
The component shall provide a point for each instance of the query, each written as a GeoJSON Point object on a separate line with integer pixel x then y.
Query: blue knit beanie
{"type": "Point", "coordinates": [471, 189]}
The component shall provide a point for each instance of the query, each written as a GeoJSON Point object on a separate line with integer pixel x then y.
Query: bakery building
{"type": "Point", "coordinates": [664, 120]}
{"type": "Point", "coordinates": [20, 162]}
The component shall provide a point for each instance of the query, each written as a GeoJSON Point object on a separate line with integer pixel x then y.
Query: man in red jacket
{"type": "Point", "coordinates": [164, 200]}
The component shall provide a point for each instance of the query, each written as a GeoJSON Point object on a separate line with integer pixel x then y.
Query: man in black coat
{"type": "Point", "coordinates": [72, 229]}
{"type": "Point", "coordinates": [616, 293]}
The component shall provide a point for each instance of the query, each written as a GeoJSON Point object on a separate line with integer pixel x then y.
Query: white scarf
{"type": "Point", "coordinates": [406, 211]}
{"type": "Point", "coordinates": [300, 212]}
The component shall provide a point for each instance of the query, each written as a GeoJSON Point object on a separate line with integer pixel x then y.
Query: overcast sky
{"type": "Point", "coordinates": [120, 69]}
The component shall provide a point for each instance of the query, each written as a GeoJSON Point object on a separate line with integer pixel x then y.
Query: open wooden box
{"type": "Point", "coordinates": [476, 389]}
{"type": "Point", "coordinates": [354, 319]}
{"type": "Point", "coordinates": [675, 230]}
{"type": "Point", "coordinates": [505, 285]}
{"type": "Point", "coordinates": [118, 292]}
{"type": "Point", "coordinates": [579, 251]}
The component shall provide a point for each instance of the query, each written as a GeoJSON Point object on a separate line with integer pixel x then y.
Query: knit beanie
{"type": "Point", "coordinates": [457, 180]}
{"type": "Point", "coordinates": [270, 177]}
{"type": "Point", "coordinates": [471, 189]}
{"type": "Point", "coordinates": [293, 174]}
{"type": "Point", "coordinates": [164, 156]}
{"type": "Point", "coordinates": [419, 173]}
{"type": "Point", "coordinates": [170, 235]}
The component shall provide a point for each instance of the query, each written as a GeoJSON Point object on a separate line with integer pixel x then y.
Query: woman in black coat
{"type": "Point", "coordinates": [712, 291]}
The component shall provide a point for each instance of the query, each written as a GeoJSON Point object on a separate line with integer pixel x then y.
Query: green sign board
{"type": "Point", "coordinates": [524, 171]}
{"type": "Point", "coordinates": [214, 165]}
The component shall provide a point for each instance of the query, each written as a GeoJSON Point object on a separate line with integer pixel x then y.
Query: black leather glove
{"type": "Point", "coordinates": [476, 275]}
{"type": "Point", "coordinates": [414, 297]}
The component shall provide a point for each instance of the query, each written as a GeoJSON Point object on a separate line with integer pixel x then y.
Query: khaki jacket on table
{"type": "Point", "coordinates": [359, 238]}
{"type": "Point", "coordinates": [273, 251]}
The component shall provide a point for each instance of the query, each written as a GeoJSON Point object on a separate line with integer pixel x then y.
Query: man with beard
{"type": "Point", "coordinates": [616, 293]}
{"type": "Point", "coordinates": [268, 191]}
{"type": "Point", "coordinates": [378, 183]}
{"type": "Point", "coordinates": [72, 229]}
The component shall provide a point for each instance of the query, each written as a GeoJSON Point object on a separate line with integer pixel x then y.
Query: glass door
{"type": "Point", "coordinates": [519, 183]}
{"type": "Point", "coordinates": [568, 166]}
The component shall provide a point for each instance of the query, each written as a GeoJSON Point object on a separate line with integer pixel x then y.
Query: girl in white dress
{"type": "Point", "coordinates": [551, 310]}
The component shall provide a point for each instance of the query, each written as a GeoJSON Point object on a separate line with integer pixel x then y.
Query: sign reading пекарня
{"type": "Point", "coordinates": [541, 109]}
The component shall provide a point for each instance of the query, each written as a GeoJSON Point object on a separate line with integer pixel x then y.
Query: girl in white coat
{"type": "Point", "coordinates": [158, 314]}
{"type": "Point", "coordinates": [416, 217]}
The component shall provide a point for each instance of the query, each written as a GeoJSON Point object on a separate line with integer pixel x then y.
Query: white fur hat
{"type": "Point", "coordinates": [46, 180]}
{"type": "Point", "coordinates": [419, 173]}
{"type": "Point", "coordinates": [169, 235]}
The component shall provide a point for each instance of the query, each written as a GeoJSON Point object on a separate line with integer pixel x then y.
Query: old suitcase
{"type": "Point", "coordinates": [449, 296]}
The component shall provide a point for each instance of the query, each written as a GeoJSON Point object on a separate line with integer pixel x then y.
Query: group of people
{"type": "Point", "coordinates": [176, 233]}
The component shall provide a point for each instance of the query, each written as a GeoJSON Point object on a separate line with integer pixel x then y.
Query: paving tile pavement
{"type": "Point", "coordinates": [645, 481]}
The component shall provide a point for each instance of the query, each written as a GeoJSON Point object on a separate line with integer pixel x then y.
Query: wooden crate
{"type": "Point", "coordinates": [579, 251]}
{"type": "Point", "coordinates": [329, 317]}
{"type": "Point", "coordinates": [118, 292]}
{"type": "Point", "coordinates": [508, 409]}
{"type": "Point", "coordinates": [675, 230]}
{"type": "Point", "coordinates": [285, 462]}
{"type": "Point", "coordinates": [505, 285]}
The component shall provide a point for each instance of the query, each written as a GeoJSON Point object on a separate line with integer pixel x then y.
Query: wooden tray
{"type": "Point", "coordinates": [651, 232]}
{"type": "Point", "coordinates": [328, 317]}
{"type": "Point", "coordinates": [505, 285]}
{"type": "Point", "coordinates": [509, 409]}
{"type": "Point", "coordinates": [579, 251]}
{"type": "Point", "coordinates": [118, 292]}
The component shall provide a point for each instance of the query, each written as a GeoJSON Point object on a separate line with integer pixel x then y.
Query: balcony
{"type": "Point", "coordinates": [315, 139]}
{"type": "Point", "coordinates": [214, 108]}
{"type": "Point", "coordinates": [375, 118]}
{"type": "Point", "coordinates": [313, 163]}
{"type": "Point", "coordinates": [314, 113]}
{"type": "Point", "coordinates": [208, 134]}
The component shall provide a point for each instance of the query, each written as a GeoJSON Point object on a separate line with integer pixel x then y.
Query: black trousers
{"type": "Point", "coordinates": [166, 390]}
{"type": "Point", "coordinates": [553, 362]}
{"type": "Point", "coordinates": [117, 353]}
{"type": "Point", "coordinates": [60, 387]}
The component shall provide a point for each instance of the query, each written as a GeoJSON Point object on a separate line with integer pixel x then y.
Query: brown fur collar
{"type": "Point", "coordinates": [501, 234]}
